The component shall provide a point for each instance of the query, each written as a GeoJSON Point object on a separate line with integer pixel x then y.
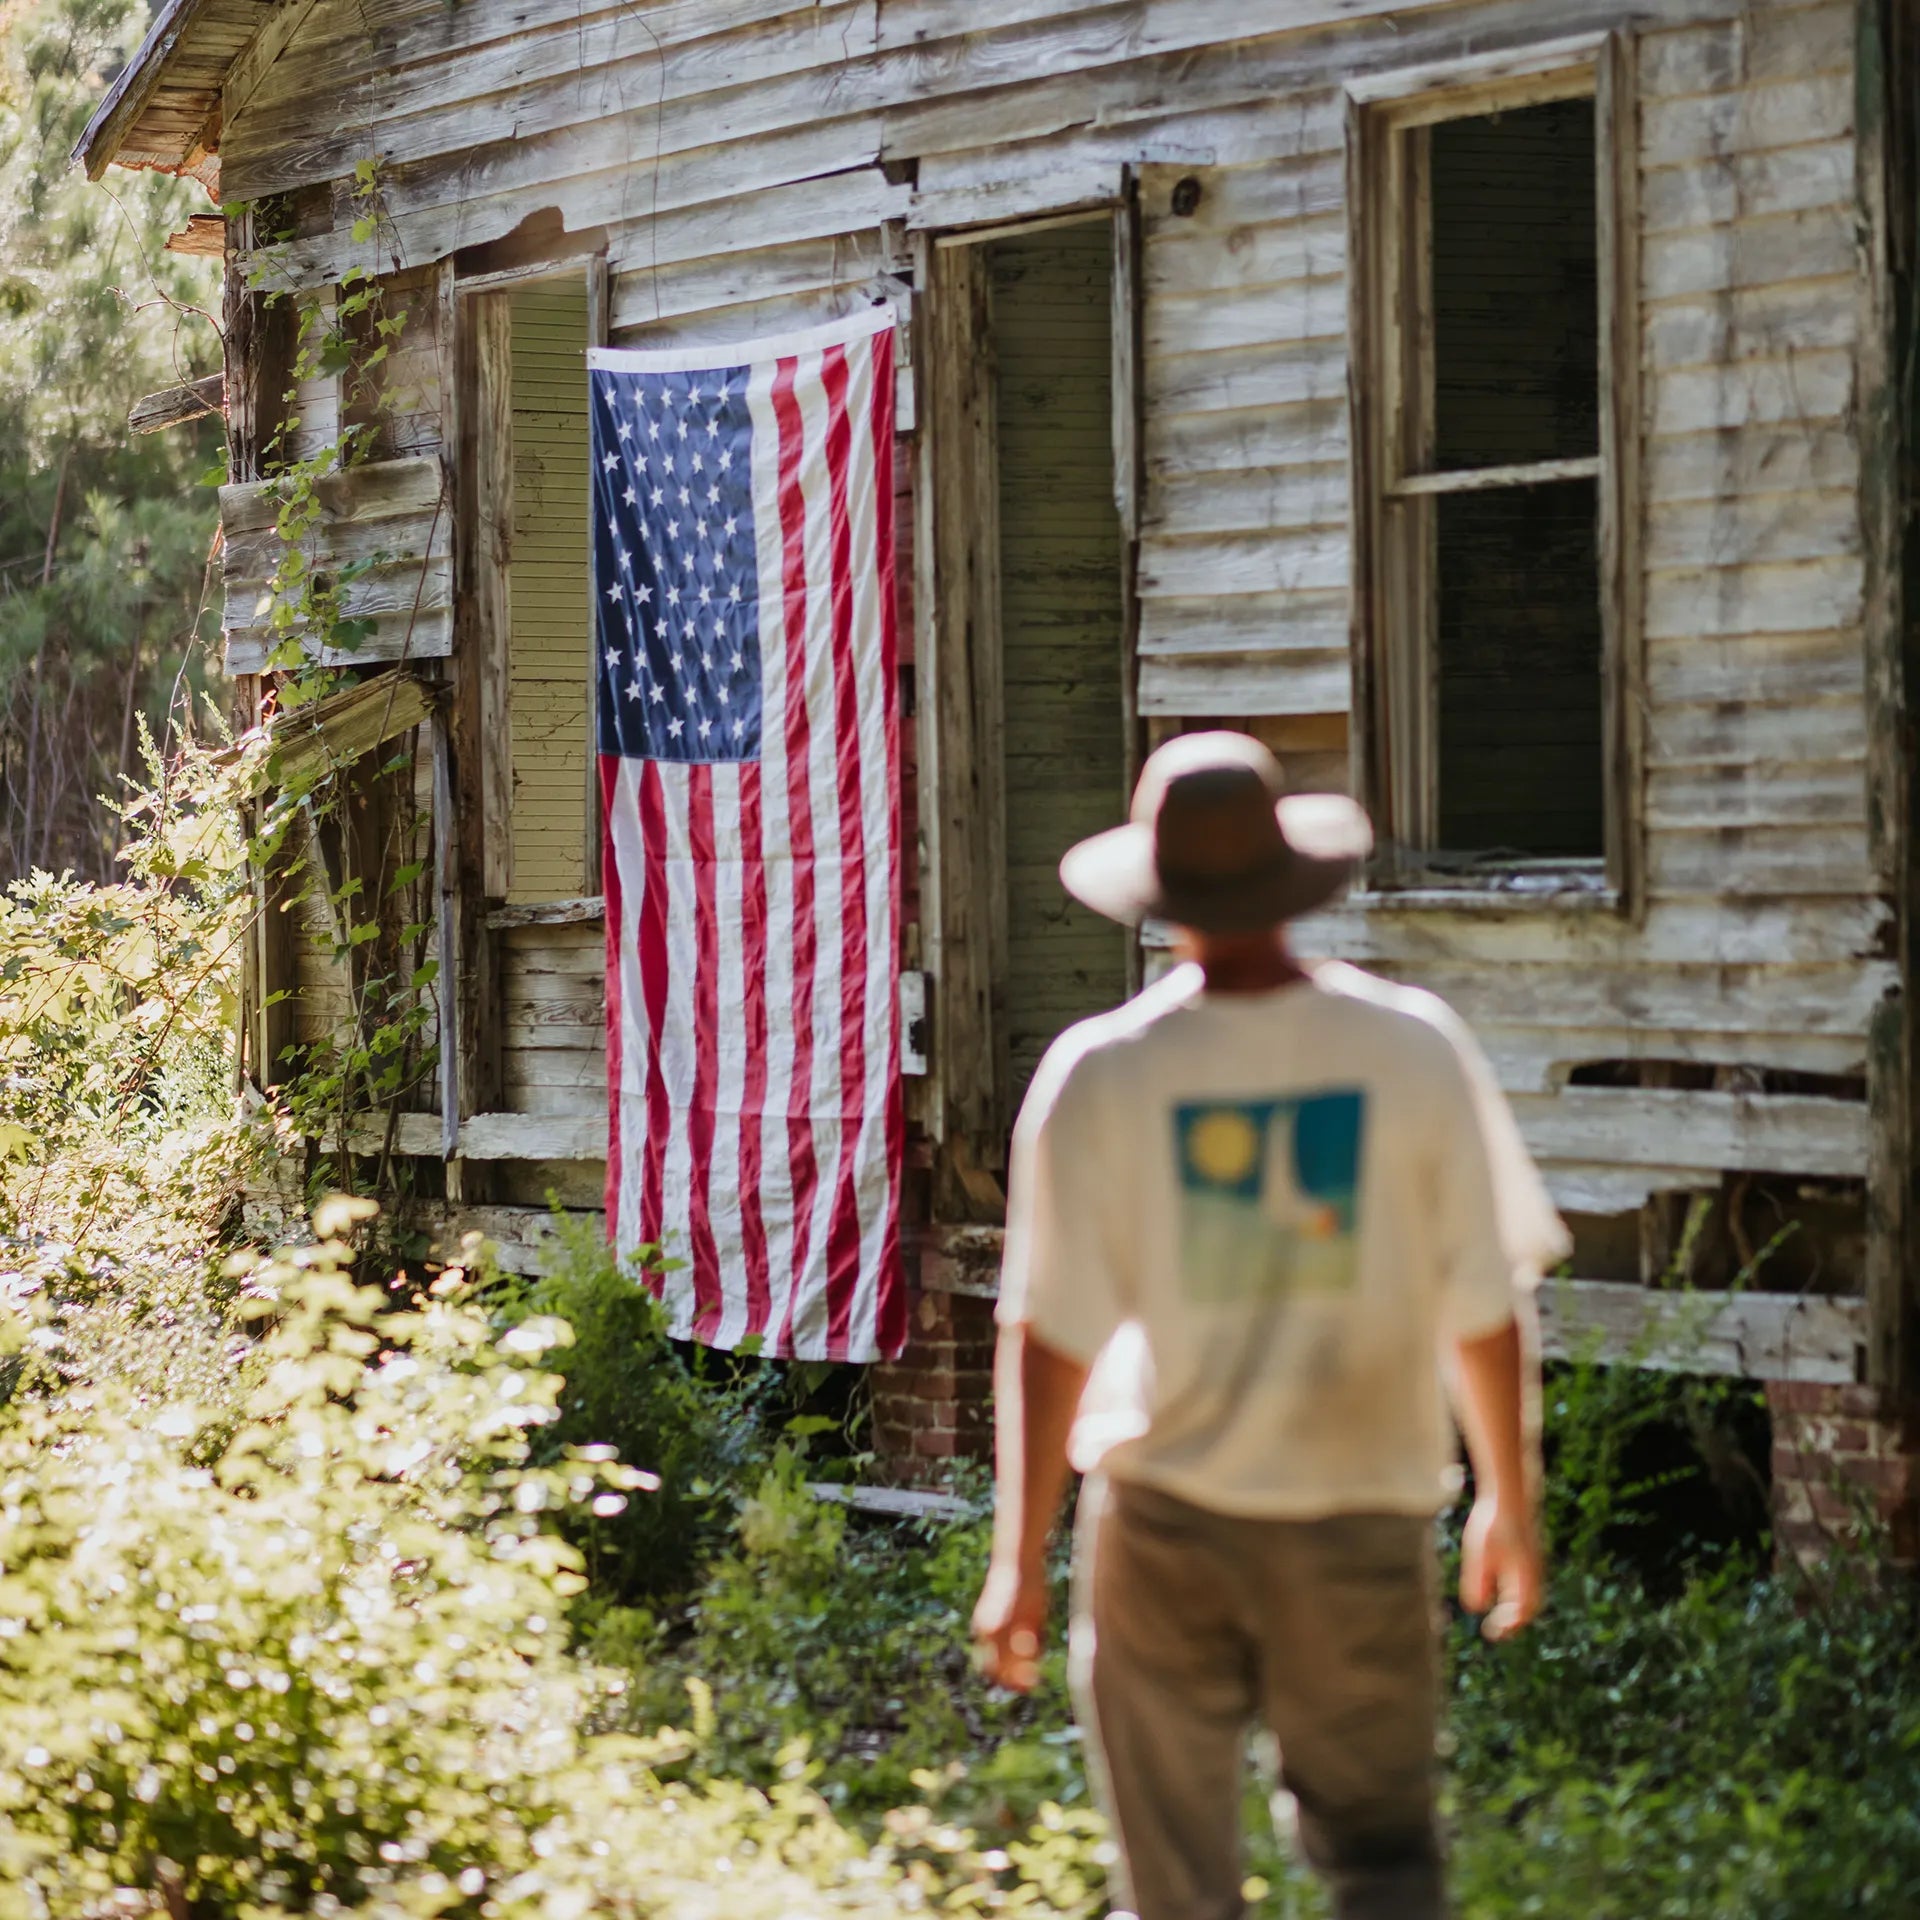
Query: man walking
{"type": "Point", "coordinates": [1255, 1216]}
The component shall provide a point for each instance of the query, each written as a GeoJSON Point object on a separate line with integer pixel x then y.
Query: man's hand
{"type": "Point", "coordinates": [1501, 1573]}
{"type": "Point", "coordinates": [1009, 1624]}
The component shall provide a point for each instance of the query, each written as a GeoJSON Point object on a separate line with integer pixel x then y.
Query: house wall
{"type": "Point", "coordinates": [750, 164]}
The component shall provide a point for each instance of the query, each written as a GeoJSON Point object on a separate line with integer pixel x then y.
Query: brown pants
{"type": "Point", "coordinates": [1188, 1626]}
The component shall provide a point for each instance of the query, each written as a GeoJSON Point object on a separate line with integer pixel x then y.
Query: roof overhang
{"type": "Point", "coordinates": [163, 111]}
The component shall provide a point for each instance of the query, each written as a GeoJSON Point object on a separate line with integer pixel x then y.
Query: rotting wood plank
{"type": "Point", "coordinates": [1756, 1335]}
{"type": "Point", "coordinates": [1639, 1126]}
{"type": "Point", "coordinates": [1452, 929]}
{"type": "Point", "coordinates": [176, 406]}
{"type": "Point", "coordinates": [1759, 1336]}
{"type": "Point", "coordinates": [1729, 998]}
{"type": "Point", "coordinates": [771, 74]}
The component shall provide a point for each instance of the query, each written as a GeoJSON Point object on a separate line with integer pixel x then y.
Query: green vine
{"type": "Point", "coordinates": [343, 834]}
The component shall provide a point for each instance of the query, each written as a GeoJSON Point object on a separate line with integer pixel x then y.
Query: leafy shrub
{"type": "Point", "coordinates": [691, 1419]}
{"type": "Point", "coordinates": [319, 1665]}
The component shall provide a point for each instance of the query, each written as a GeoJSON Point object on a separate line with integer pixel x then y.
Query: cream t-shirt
{"type": "Point", "coordinates": [1259, 1216]}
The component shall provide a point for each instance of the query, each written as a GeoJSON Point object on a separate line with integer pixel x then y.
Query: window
{"type": "Point", "coordinates": [1495, 657]}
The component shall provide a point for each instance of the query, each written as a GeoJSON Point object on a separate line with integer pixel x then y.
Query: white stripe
{"type": "Point", "coordinates": [812, 1321]}
{"type": "Point", "coordinates": [874, 1176]}
{"type": "Point", "coordinates": [776, 1175]}
{"type": "Point", "coordinates": [630, 864]}
{"type": "Point", "coordinates": [677, 1051]}
{"type": "Point", "coordinates": [724, 1206]}
{"type": "Point", "coordinates": [749, 353]}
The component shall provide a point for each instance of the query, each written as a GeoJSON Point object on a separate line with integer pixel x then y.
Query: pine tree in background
{"type": "Point", "coordinates": [106, 595]}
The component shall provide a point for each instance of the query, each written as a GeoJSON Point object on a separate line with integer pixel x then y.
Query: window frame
{"type": "Point", "coordinates": [1394, 485]}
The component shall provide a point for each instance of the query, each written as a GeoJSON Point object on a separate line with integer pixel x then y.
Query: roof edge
{"type": "Point", "coordinates": [99, 145]}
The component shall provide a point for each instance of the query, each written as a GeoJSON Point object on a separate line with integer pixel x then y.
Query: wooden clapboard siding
{"type": "Point", "coordinates": [390, 516]}
{"type": "Point", "coordinates": [550, 593]}
{"type": "Point", "coordinates": [726, 153]}
{"type": "Point", "coordinates": [1061, 623]}
{"type": "Point", "coordinates": [553, 995]}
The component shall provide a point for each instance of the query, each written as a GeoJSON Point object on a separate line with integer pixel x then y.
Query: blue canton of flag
{"type": "Point", "coordinates": [676, 566]}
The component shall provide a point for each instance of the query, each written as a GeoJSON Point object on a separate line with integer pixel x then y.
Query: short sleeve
{"type": "Point", "coordinates": [1496, 1229]}
{"type": "Point", "coordinates": [1059, 1272]}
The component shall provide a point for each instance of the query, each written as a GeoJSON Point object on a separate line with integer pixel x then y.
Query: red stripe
{"type": "Point", "coordinates": [890, 1300]}
{"type": "Point", "coordinates": [843, 1229]}
{"type": "Point", "coordinates": [615, 928]}
{"type": "Point", "coordinates": [753, 1093]}
{"type": "Point", "coordinates": [653, 995]}
{"type": "Point", "coordinates": [793, 549]}
{"type": "Point", "coordinates": [708, 1293]}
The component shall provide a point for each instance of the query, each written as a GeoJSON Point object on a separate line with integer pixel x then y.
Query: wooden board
{"type": "Point", "coordinates": [391, 518]}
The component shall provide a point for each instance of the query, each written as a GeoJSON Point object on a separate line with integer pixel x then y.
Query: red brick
{"type": "Point", "coordinates": [932, 1445]}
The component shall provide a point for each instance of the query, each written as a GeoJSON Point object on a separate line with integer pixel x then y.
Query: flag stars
{"type": "Point", "coordinates": [633, 689]}
{"type": "Point", "coordinates": [631, 498]}
{"type": "Point", "coordinates": [644, 593]}
{"type": "Point", "coordinates": [626, 429]}
{"type": "Point", "coordinates": [611, 461]}
{"type": "Point", "coordinates": [683, 429]}
{"type": "Point", "coordinates": [706, 727]}
{"type": "Point", "coordinates": [613, 592]}
{"type": "Point", "coordinates": [657, 496]}
{"type": "Point", "coordinates": [676, 726]}
{"type": "Point", "coordinates": [726, 458]}
{"type": "Point", "coordinates": [659, 696]}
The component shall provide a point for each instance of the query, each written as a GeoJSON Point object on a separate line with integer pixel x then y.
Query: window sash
{"type": "Point", "coordinates": [1396, 485]}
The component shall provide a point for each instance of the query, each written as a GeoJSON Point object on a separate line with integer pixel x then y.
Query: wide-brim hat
{"type": "Point", "coordinates": [1215, 842]}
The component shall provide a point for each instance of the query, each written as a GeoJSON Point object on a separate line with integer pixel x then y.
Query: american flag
{"type": "Point", "coordinates": [749, 775]}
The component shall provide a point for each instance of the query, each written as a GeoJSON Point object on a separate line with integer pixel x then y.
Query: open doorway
{"type": "Point", "coordinates": [1064, 759]}
{"type": "Point", "coordinates": [1026, 741]}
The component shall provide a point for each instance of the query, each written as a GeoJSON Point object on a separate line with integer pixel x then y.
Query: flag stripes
{"type": "Point", "coordinates": [753, 870]}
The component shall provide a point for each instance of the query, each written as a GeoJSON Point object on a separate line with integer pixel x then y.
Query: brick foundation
{"type": "Point", "coordinates": [932, 1405]}
{"type": "Point", "coordinates": [1841, 1454]}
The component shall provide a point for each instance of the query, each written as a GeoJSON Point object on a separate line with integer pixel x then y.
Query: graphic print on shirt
{"type": "Point", "coordinates": [1269, 1195]}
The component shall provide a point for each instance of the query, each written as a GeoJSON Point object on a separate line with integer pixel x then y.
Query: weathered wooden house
{"type": "Point", "coordinates": [1502, 407]}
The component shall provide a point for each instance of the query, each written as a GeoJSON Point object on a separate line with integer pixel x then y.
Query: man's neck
{"type": "Point", "coordinates": [1250, 963]}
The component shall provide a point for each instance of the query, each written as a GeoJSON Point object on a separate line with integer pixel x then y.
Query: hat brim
{"type": "Point", "coordinates": [1326, 836]}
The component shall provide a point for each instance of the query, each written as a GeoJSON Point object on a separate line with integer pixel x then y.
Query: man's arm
{"type": "Point", "coordinates": [1037, 1392]}
{"type": "Point", "coordinates": [1496, 1382]}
